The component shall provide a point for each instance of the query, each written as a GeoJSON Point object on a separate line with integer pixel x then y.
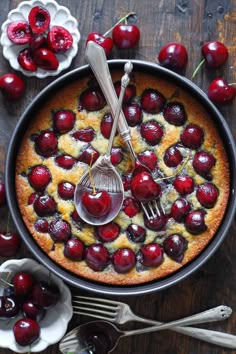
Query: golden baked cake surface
{"type": "Point", "coordinates": [40, 224]}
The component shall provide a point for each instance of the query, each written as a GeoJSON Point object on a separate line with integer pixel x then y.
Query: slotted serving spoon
{"type": "Point", "coordinates": [102, 176]}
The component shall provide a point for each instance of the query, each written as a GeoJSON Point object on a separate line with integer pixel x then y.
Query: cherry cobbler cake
{"type": "Point", "coordinates": [172, 134]}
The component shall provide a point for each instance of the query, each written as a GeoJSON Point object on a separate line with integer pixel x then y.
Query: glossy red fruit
{"type": "Point", "coordinates": [25, 60]}
{"type": "Point", "coordinates": [106, 125]}
{"type": "Point", "coordinates": [144, 188]}
{"type": "Point", "coordinates": [9, 306]}
{"type": "Point", "coordinates": [123, 260]}
{"type": "Point", "coordinates": [126, 179]}
{"type": "Point", "coordinates": [172, 156]}
{"type": "Point", "coordinates": [9, 244]}
{"type": "Point", "coordinates": [174, 113]}
{"type": "Point", "coordinates": [116, 155]}
{"type": "Point", "coordinates": [133, 114]}
{"type": "Point", "coordinates": [2, 194]}
{"type": "Point", "coordinates": [66, 190]}
{"type": "Point", "coordinates": [32, 198]}
{"type": "Point", "coordinates": [207, 194]}
{"type": "Point", "coordinates": [89, 155]}
{"type": "Point", "coordinates": [92, 99]}
{"type": "Point", "coordinates": [203, 162]}
{"type": "Point", "coordinates": [37, 41]}
{"type": "Point", "coordinates": [125, 36]}
{"type": "Point", "coordinates": [220, 92]}
{"type": "Point", "coordinates": [152, 132]}
{"type": "Point", "coordinates": [26, 331]}
{"type": "Point", "coordinates": [151, 255]}
{"type": "Point", "coordinates": [23, 283]}
{"type": "Point", "coordinates": [19, 32]}
{"type": "Point", "coordinates": [12, 86]}
{"type": "Point", "coordinates": [105, 42]}
{"type": "Point", "coordinates": [136, 233]}
{"type": "Point", "coordinates": [41, 225]}
{"type": "Point", "coordinates": [59, 230]}
{"type": "Point", "coordinates": [45, 205]}
{"type": "Point", "coordinates": [184, 184]}
{"type": "Point", "coordinates": [84, 134]}
{"type": "Point", "coordinates": [173, 56]}
{"type": "Point", "coordinates": [131, 207]}
{"type": "Point", "coordinates": [108, 232]}
{"type": "Point", "coordinates": [46, 143]}
{"type": "Point", "coordinates": [130, 91]}
{"type": "Point", "coordinates": [65, 161]}
{"type": "Point", "coordinates": [63, 120]}
{"type": "Point", "coordinates": [45, 295]}
{"type": "Point", "coordinates": [96, 204]}
{"type": "Point", "coordinates": [175, 246]}
{"type": "Point", "coordinates": [195, 221]}
{"type": "Point", "coordinates": [39, 19]}
{"type": "Point", "coordinates": [149, 159]}
{"type": "Point", "coordinates": [97, 257]}
{"type": "Point", "coordinates": [30, 310]}
{"type": "Point", "coordinates": [74, 249]}
{"type": "Point", "coordinates": [39, 177]}
{"type": "Point", "coordinates": [45, 59]}
{"type": "Point", "coordinates": [215, 54]}
{"type": "Point", "coordinates": [156, 224]}
{"type": "Point", "coordinates": [179, 209]}
{"type": "Point", "coordinates": [152, 101]}
{"type": "Point", "coordinates": [59, 39]}
{"type": "Point", "coordinates": [192, 136]}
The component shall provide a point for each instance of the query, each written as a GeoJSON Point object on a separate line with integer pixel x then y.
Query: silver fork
{"type": "Point", "coordinates": [119, 312]}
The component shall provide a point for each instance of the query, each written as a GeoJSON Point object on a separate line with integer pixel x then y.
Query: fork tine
{"type": "Point", "coordinates": [95, 299]}
{"type": "Point", "coordinates": [95, 305]}
{"type": "Point", "coordinates": [94, 310]}
{"type": "Point", "coordinates": [94, 315]}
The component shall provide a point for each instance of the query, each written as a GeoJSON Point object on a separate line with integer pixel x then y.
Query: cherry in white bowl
{"type": "Point", "coordinates": [59, 16]}
{"type": "Point", "coordinates": [53, 324]}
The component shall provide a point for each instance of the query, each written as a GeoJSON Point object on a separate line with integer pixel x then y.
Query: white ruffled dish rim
{"type": "Point", "coordinates": [60, 15]}
{"type": "Point", "coordinates": [53, 325]}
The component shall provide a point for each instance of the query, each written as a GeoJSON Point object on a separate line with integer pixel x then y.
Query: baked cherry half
{"type": "Point", "coordinates": [149, 159]}
{"type": "Point", "coordinates": [152, 101]}
{"type": "Point", "coordinates": [157, 223]}
{"type": "Point", "coordinates": [151, 255]}
{"type": "Point", "coordinates": [66, 190]}
{"type": "Point", "coordinates": [65, 161]}
{"type": "Point", "coordinates": [130, 91]}
{"type": "Point", "coordinates": [44, 205]}
{"type": "Point", "coordinates": [123, 260]}
{"type": "Point", "coordinates": [144, 188]}
{"type": "Point", "coordinates": [74, 249]}
{"type": "Point", "coordinates": [133, 114]}
{"type": "Point", "coordinates": [175, 246]}
{"type": "Point", "coordinates": [46, 143]}
{"type": "Point", "coordinates": [89, 155]}
{"type": "Point", "coordinates": [203, 162]}
{"type": "Point", "coordinates": [172, 156]}
{"type": "Point", "coordinates": [108, 232]}
{"type": "Point", "coordinates": [84, 134]}
{"type": "Point", "coordinates": [92, 99]}
{"type": "Point", "coordinates": [131, 207]}
{"type": "Point", "coordinates": [136, 233]}
{"type": "Point", "coordinates": [195, 221]}
{"type": "Point", "coordinates": [59, 230]}
{"type": "Point", "coordinates": [192, 136]}
{"type": "Point", "coordinates": [152, 132]}
{"type": "Point", "coordinates": [63, 120]}
{"type": "Point", "coordinates": [39, 177]}
{"type": "Point", "coordinates": [174, 113]}
{"type": "Point", "coordinates": [180, 209]}
{"type": "Point", "coordinates": [184, 184]}
{"type": "Point", "coordinates": [97, 257]}
{"type": "Point", "coordinates": [207, 194]}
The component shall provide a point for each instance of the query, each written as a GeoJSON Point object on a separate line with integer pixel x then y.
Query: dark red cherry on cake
{"type": "Point", "coordinates": [45, 59]}
{"type": "Point", "coordinates": [172, 156]}
{"type": "Point", "coordinates": [46, 143]}
{"type": "Point", "coordinates": [123, 260]}
{"type": "Point", "coordinates": [26, 61]}
{"type": "Point", "coordinates": [175, 246]}
{"type": "Point", "coordinates": [39, 19]}
{"type": "Point", "coordinates": [59, 39]}
{"type": "Point", "coordinates": [97, 257]}
{"type": "Point", "coordinates": [152, 101]}
{"type": "Point", "coordinates": [108, 232]}
{"type": "Point", "coordinates": [106, 125]}
{"type": "Point", "coordinates": [89, 155]}
{"type": "Point", "coordinates": [41, 225]}
{"type": "Point", "coordinates": [97, 204]}
{"type": "Point", "coordinates": [32, 198]}
{"type": "Point", "coordinates": [84, 134]}
{"type": "Point", "coordinates": [116, 155]}
{"type": "Point", "coordinates": [19, 32]}
{"type": "Point", "coordinates": [65, 161]}
{"type": "Point", "coordinates": [126, 179]}
{"type": "Point", "coordinates": [174, 113]}
{"type": "Point", "coordinates": [45, 205]}
{"type": "Point", "coordinates": [125, 36]}
{"type": "Point", "coordinates": [39, 177]}
{"type": "Point", "coordinates": [74, 249]}
{"type": "Point", "coordinates": [92, 99]}
{"type": "Point", "coordinates": [9, 306]}
{"type": "Point", "coordinates": [131, 207]}
{"type": "Point", "coordinates": [105, 42]}
{"type": "Point", "coordinates": [59, 230]}
{"type": "Point", "coordinates": [149, 159]}
{"type": "Point", "coordinates": [136, 233]}
{"type": "Point", "coordinates": [130, 91]}
{"type": "Point", "coordinates": [192, 136]}
{"type": "Point", "coordinates": [184, 184]}
{"type": "Point", "coordinates": [180, 209]}
{"type": "Point", "coordinates": [66, 190]}
{"type": "Point", "coordinates": [173, 56]}
{"type": "Point", "coordinates": [195, 221]}
{"type": "Point", "coordinates": [151, 255]}
{"type": "Point", "coordinates": [44, 294]}
{"type": "Point", "coordinates": [23, 283]}
{"type": "Point", "coordinates": [26, 331]}
{"type": "Point", "coordinates": [215, 54]}
{"type": "Point", "coordinates": [203, 162]}
{"type": "Point", "coordinates": [156, 223]}
{"type": "Point", "coordinates": [207, 194]}
{"type": "Point", "coordinates": [2, 194]}
{"type": "Point", "coordinates": [12, 86]}
{"type": "Point", "coordinates": [63, 120]}
{"type": "Point", "coordinates": [144, 188]}
{"type": "Point", "coordinates": [152, 132]}
{"type": "Point", "coordinates": [133, 114]}
{"type": "Point", "coordinates": [9, 244]}
{"type": "Point", "coordinates": [220, 92]}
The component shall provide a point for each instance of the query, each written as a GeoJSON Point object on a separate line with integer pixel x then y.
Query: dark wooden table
{"type": "Point", "coordinates": [191, 23]}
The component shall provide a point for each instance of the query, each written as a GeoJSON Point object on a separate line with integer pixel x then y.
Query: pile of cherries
{"type": "Point", "coordinates": [44, 42]}
{"type": "Point", "coordinates": [31, 298]}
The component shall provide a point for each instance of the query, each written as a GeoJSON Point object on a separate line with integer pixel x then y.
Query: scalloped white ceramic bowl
{"type": "Point", "coordinates": [53, 325]}
{"type": "Point", "coordinates": [60, 16]}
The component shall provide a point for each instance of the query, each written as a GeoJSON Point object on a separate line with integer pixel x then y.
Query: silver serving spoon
{"type": "Point", "coordinates": [101, 337]}
{"type": "Point", "coordinates": [103, 175]}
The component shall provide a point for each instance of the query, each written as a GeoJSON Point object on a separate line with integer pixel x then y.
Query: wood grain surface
{"type": "Point", "coordinates": [192, 23]}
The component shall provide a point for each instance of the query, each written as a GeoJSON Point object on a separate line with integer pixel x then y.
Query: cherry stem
{"type": "Point", "coordinates": [121, 20]}
{"type": "Point", "coordinates": [6, 282]}
{"type": "Point", "coordinates": [91, 176]}
{"type": "Point", "coordinates": [197, 68]}
{"type": "Point", "coordinates": [232, 84]}
{"type": "Point", "coordinates": [178, 170]}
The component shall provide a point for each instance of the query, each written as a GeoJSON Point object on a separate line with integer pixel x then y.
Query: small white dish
{"type": "Point", "coordinates": [60, 16]}
{"type": "Point", "coordinates": [53, 325]}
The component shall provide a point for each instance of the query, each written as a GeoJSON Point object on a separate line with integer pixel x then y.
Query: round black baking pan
{"type": "Point", "coordinates": [83, 283]}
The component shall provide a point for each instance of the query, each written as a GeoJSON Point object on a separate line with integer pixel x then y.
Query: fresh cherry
{"type": "Point", "coordinates": [97, 257]}
{"type": "Point", "coordinates": [26, 61]}
{"type": "Point", "coordinates": [30, 310]}
{"type": "Point", "coordinates": [136, 233]}
{"type": "Point", "coordinates": [2, 194]}
{"type": "Point", "coordinates": [179, 209]}
{"type": "Point", "coordinates": [23, 283]}
{"type": "Point", "coordinates": [45, 59]}
{"type": "Point", "coordinates": [26, 331]}
{"type": "Point", "coordinates": [9, 306]}
{"type": "Point", "coordinates": [152, 101]}
{"type": "Point", "coordinates": [63, 120]}
{"type": "Point", "coordinates": [174, 246]}
{"type": "Point", "coordinates": [59, 39]}
{"type": "Point", "coordinates": [41, 225]}
{"type": "Point", "coordinates": [133, 114]}
{"type": "Point", "coordinates": [203, 162]}
{"type": "Point", "coordinates": [151, 255]}
{"type": "Point", "coordinates": [96, 204]}
{"type": "Point", "coordinates": [44, 295]}
{"type": "Point", "coordinates": [157, 223]}
{"type": "Point", "coordinates": [84, 134]}
{"type": "Point", "coordinates": [105, 42]}
{"type": "Point", "coordinates": [45, 205]}
{"type": "Point", "coordinates": [116, 155]}
{"type": "Point", "coordinates": [131, 207]}
{"type": "Point", "coordinates": [184, 184]}
{"type": "Point", "coordinates": [108, 232]}
{"type": "Point", "coordinates": [192, 136]}
{"type": "Point", "coordinates": [207, 194]}
{"type": "Point", "coordinates": [123, 260]}
{"type": "Point", "coordinates": [74, 249]}
{"type": "Point", "coordinates": [19, 32]}
{"type": "Point", "coordinates": [195, 221]}
{"type": "Point", "coordinates": [215, 54]}
{"type": "Point", "coordinates": [174, 113]}
{"type": "Point", "coordinates": [172, 156]}
{"type": "Point", "coordinates": [144, 188]}
{"type": "Point", "coordinates": [125, 36]}
{"type": "Point", "coordinates": [173, 56]}
{"type": "Point", "coordinates": [149, 159]}
{"type": "Point", "coordinates": [39, 19]}
{"type": "Point", "coordinates": [39, 177]}
{"type": "Point", "coordinates": [92, 99]}
{"type": "Point", "coordinates": [59, 230]}
{"type": "Point", "coordinates": [220, 92]}
{"type": "Point", "coordinates": [66, 190]}
{"type": "Point", "coordinates": [130, 91]}
{"type": "Point", "coordinates": [9, 244]}
{"type": "Point", "coordinates": [89, 155]}
{"type": "Point", "coordinates": [65, 161]}
{"type": "Point", "coordinates": [12, 86]}
{"type": "Point", "coordinates": [46, 143]}
{"type": "Point", "coordinates": [152, 132]}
